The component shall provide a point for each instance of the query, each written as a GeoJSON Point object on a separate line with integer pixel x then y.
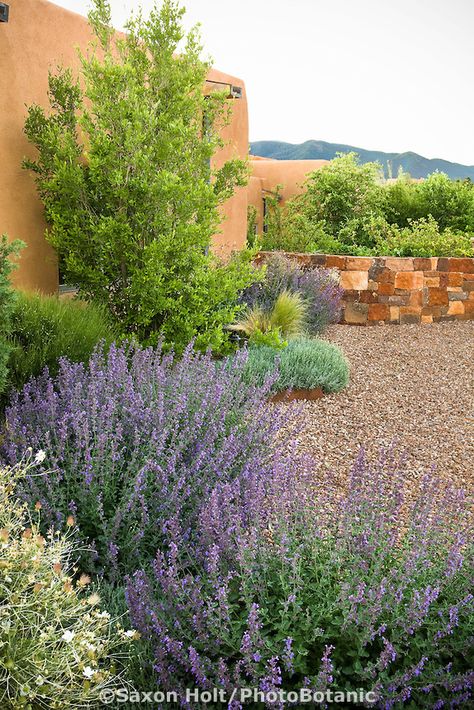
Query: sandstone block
{"type": "Point", "coordinates": [426, 319]}
{"type": "Point", "coordinates": [358, 263]}
{"type": "Point", "coordinates": [318, 259]}
{"type": "Point", "coordinates": [378, 265]}
{"type": "Point", "coordinates": [398, 300]}
{"type": "Point", "coordinates": [336, 262]}
{"type": "Point", "coordinates": [354, 280]}
{"type": "Point", "coordinates": [386, 276]}
{"type": "Point", "coordinates": [443, 264]}
{"type": "Point", "coordinates": [368, 297]}
{"type": "Point", "coordinates": [455, 278]}
{"type": "Point", "coordinates": [409, 279]}
{"type": "Point", "coordinates": [465, 265]}
{"type": "Point", "coordinates": [394, 314]}
{"type": "Point", "coordinates": [437, 297]}
{"type": "Point", "coordinates": [446, 319]}
{"type": "Point", "coordinates": [425, 263]}
{"type": "Point", "coordinates": [409, 318]}
{"type": "Point", "coordinates": [404, 263]}
{"type": "Point", "coordinates": [458, 296]}
{"type": "Point", "coordinates": [416, 298]}
{"type": "Point", "coordinates": [456, 308]}
{"type": "Point", "coordinates": [433, 311]}
{"type": "Point", "coordinates": [386, 289]}
{"type": "Point", "coordinates": [351, 296]}
{"type": "Point", "coordinates": [356, 313]}
{"type": "Point", "coordinates": [378, 311]}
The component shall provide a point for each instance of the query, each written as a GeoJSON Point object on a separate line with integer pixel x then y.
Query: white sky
{"type": "Point", "coordinates": [392, 75]}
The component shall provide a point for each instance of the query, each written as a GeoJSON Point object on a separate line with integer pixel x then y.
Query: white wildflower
{"type": "Point", "coordinates": [68, 636]}
{"type": "Point", "coordinates": [40, 456]}
{"type": "Point", "coordinates": [88, 672]}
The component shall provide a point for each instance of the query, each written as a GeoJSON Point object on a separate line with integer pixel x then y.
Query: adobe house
{"type": "Point", "coordinates": [36, 35]}
{"type": "Point", "coordinates": [268, 176]}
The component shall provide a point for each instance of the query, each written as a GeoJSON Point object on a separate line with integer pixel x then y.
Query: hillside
{"type": "Point", "coordinates": [415, 164]}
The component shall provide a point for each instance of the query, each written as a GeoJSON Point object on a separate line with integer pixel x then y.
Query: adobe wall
{"type": "Point", "coordinates": [39, 36]}
{"type": "Point", "coordinates": [267, 174]}
{"type": "Point", "coordinates": [400, 290]}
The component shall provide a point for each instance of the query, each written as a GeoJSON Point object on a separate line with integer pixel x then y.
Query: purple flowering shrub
{"type": "Point", "coordinates": [318, 288]}
{"type": "Point", "coordinates": [137, 443]}
{"type": "Point", "coordinates": [370, 592]}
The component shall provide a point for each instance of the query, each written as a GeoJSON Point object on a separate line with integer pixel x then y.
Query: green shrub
{"type": "Point", "coordinates": [7, 302]}
{"type": "Point", "coordinates": [424, 238]}
{"type": "Point", "coordinates": [45, 328]}
{"type": "Point", "coordinates": [271, 337]}
{"type": "Point", "coordinates": [124, 169]}
{"type": "Point", "coordinates": [57, 649]}
{"type": "Point", "coordinates": [342, 190]}
{"type": "Point", "coordinates": [347, 209]}
{"type": "Point", "coordinates": [305, 363]}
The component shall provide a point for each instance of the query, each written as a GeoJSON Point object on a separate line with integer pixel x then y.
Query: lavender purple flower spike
{"type": "Point", "coordinates": [139, 445]}
{"type": "Point", "coordinates": [241, 567]}
{"type": "Point", "coordinates": [365, 591]}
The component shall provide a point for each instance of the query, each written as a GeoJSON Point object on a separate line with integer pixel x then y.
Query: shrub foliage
{"type": "Point", "coordinates": [58, 650]}
{"type": "Point", "coordinates": [7, 303]}
{"type": "Point", "coordinates": [123, 170]}
{"type": "Point", "coordinates": [305, 363]}
{"type": "Point", "coordinates": [45, 328]}
{"type": "Point", "coordinates": [346, 208]}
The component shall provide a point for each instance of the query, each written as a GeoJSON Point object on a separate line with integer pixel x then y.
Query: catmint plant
{"type": "Point", "coordinates": [137, 442]}
{"type": "Point", "coordinates": [365, 591]}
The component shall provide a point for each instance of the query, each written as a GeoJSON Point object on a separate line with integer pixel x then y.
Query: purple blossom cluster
{"type": "Point", "coordinates": [240, 567]}
{"type": "Point", "coordinates": [364, 591]}
{"type": "Point", "coordinates": [140, 445]}
{"type": "Point", "coordinates": [318, 287]}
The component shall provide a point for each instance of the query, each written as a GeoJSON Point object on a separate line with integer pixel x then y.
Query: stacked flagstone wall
{"type": "Point", "coordinates": [400, 290]}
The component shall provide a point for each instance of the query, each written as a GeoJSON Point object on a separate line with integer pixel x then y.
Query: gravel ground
{"type": "Point", "coordinates": [409, 383]}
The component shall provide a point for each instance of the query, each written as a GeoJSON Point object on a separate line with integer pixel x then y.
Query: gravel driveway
{"type": "Point", "coordinates": [411, 383]}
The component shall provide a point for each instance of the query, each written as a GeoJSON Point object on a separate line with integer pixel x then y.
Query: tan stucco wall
{"type": "Point", "coordinates": [290, 174]}
{"type": "Point", "coordinates": [267, 175]}
{"type": "Point", "coordinates": [40, 35]}
{"type": "Point", "coordinates": [233, 230]}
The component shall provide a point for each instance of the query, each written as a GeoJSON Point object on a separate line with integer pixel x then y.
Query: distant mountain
{"type": "Point", "coordinates": [416, 165]}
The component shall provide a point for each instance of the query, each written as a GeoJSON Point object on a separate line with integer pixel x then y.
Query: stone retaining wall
{"type": "Point", "coordinates": [400, 290]}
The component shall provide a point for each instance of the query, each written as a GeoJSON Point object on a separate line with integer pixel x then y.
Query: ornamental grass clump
{"type": "Point", "coordinates": [318, 288]}
{"type": "Point", "coordinates": [57, 648]}
{"type": "Point", "coordinates": [136, 443]}
{"type": "Point", "coordinates": [45, 328]}
{"type": "Point", "coordinates": [286, 317]}
{"type": "Point", "coordinates": [366, 592]}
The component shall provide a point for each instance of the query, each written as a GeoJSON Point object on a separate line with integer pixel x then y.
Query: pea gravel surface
{"type": "Point", "coordinates": [409, 384]}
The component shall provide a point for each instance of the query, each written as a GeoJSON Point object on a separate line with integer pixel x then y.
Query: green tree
{"type": "Point", "coordinates": [341, 191]}
{"type": "Point", "coordinates": [449, 202]}
{"type": "Point", "coordinates": [123, 169]}
{"type": "Point", "coordinates": [7, 302]}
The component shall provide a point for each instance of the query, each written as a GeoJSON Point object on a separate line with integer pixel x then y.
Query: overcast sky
{"type": "Point", "coordinates": [392, 75]}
